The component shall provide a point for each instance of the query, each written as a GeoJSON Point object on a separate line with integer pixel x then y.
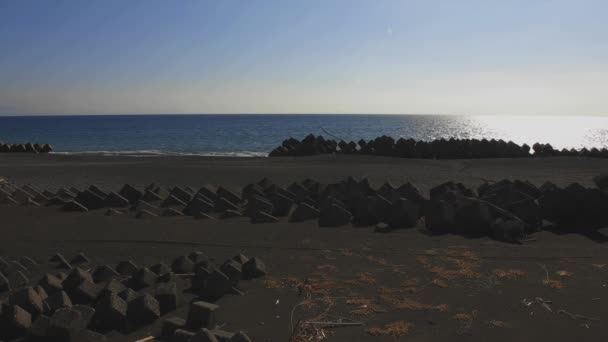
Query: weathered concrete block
{"type": "Point", "coordinates": [143, 310]}
{"type": "Point", "coordinates": [4, 284]}
{"type": "Point", "coordinates": [59, 300]}
{"type": "Point", "coordinates": [182, 335]}
{"type": "Point", "coordinates": [166, 278]}
{"type": "Point", "coordinates": [144, 214]}
{"type": "Point", "coordinates": [169, 212]}
{"type": "Point", "coordinates": [508, 230]}
{"type": "Point", "coordinates": [198, 257]}
{"type": "Point", "coordinates": [80, 258]}
{"type": "Point", "coordinates": [167, 296]}
{"type": "Point", "coordinates": [112, 286]}
{"type": "Point", "coordinates": [143, 205]}
{"type": "Point", "coordinates": [227, 194]}
{"type": "Point", "coordinates": [28, 299]}
{"type": "Point", "coordinates": [39, 328]}
{"type": "Point", "coordinates": [404, 214]}
{"type": "Point", "coordinates": [222, 335]}
{"type": "Point", "coordinates": [258, 204]}
{"type": "Point", "coordinates": [240, 258]}
{"type": "Point", "coordinates": [203, 216]}
{"type": "Point", "coordinates": [61, 261]}
{"type": "Point", "coordinates": [281, 204]}
{"type": "Point", "coordinates": [334, 216]}
{"type": "Point", "coordinates": [89, 199]}
{"type": "Point", "coordinates": [18, 279]}
{"type": "Point", "coordinates": [110, 313]}
{"type": "Point", "coordinates": [126, 268]}
{"type": "Point", "coordinates": [65, 325]}
{"type": "Point", "coordinates": [160, 268]}
{"type": "Point", "coordinates": [233, 270]}
{"type": "Point", "coordinates": [128, 295]}
{"type": "Point", "coordinates": [41, 292]}
{"type": "Point", "coordinates": [142, 279]}
{"type": "Point", "coordinates": [85, 293]}
{"type": "Point", "coordinates": [201, 315]}
{"type": "Point", "coordinates": [200, 278]}
{"type": "Point", "coordinates": [204, 335]}
{"type": "Point", "coordinates": [130, 193]}
{"type": "Point", "coordinates": [209, 192]}
{"type": "Point", "coordinates": [182, 264]}
{"type": "Point", "coordinates": [86, 312]}
{"type": "Point", "coordinates": [222, 205]}
{"type": "Point", "coordinates": [151, 196]}
{"type": "Point", "coordinates": [28, 262]}
{"type": "Point", "coordinates": [254, 268]}
{"type": "Point", "coordinates": [170, 325]}
{"type": "Point", "coordinates": [181, 194]}
{"type": "Point", "coordinates": [173, 201]}
{"type": "Point", "coordinates": [97, 191]}
{"type": "Point", "coordinates": [217, 284]}
{"type": "Point", "coordinates": [198, 205]}
{"type": "Point", "coordinates": [230, 214]}
{"type": "Point", "coordinates": [16, 321]}
{"type": "Point", "coordinates": [104, 273]}
{"type": "Point", "coordinates": [74, 206]}
{"type": "Point", "coordinates": [76, 277]}
{"type": "Point", "coordinates": [114, 200]}
{"type": "Point", "coordinates": [261, 217]}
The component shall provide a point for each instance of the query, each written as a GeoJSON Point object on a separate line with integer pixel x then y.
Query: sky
{"type": "Point", "coordinates": [304, 56]}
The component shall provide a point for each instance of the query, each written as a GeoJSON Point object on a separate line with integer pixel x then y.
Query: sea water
{"type": "Point", "coordinates": [256, 135]}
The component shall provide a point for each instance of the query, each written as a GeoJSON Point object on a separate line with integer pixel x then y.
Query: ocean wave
{"type": "Point", "coordinates": [159, 153]}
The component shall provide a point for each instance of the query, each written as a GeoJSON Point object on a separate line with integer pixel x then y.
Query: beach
{"type": "Point", "coordinates": [430, 288]}
{"type": "Point", "coordinates": [54, 171]}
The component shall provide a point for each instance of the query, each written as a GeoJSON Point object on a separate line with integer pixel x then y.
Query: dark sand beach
{"type": "Point", "coordinates": [54, 171]}
{"type": "Point", "coordinates": [432, 288]}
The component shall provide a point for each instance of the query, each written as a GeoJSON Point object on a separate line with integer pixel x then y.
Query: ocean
{"type": "Point", "coordinates": [256, 135]}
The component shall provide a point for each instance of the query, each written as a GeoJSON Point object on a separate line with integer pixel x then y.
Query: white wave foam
{"type": "Point", "coordinates": [159, 153]}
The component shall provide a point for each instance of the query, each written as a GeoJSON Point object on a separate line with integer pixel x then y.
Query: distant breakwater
{"type": "Point", "coordinates": [25, 148]}
{"type": "Point", "coordinates": [436, 149]}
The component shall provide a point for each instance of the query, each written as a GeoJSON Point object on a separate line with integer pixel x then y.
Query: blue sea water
{"type": "Point", "coordinates": [256, 135]}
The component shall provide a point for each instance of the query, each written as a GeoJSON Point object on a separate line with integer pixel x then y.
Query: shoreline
{"type": "Point", "coordinates": [159, 153]}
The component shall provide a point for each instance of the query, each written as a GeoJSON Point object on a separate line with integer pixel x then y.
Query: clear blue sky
{"type": "Point", "coordinates": [308, 56]}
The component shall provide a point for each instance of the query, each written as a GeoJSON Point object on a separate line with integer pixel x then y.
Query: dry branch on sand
{"type": "Point", "coordinates": [412, 304]}
{"type": "Point", "coordinates": [308, 333]}
{"type": "Point", "coordinates": [508, 273]}
{"type": "Point", "coordinates": [366, 278]}
{"type": "Point", "coordinates": [396, 329]}
{"type": "Point", "coordinates": [463, 317]}
{"type": "Point", "coordinates": [498, 324]}
{"type": "Point", "coordinates": [440, 283]}
{"type": "Point", "coordinates": [552, 283]}
{"type": "Point", "coordinates": [326, 267]}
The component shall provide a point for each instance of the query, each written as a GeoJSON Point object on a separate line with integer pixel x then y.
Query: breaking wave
{"type": "Point", "coordinates": [159, 153]}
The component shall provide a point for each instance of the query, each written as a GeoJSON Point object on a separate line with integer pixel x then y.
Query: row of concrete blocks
{"type": "Point", "coordinates": [64, 307]}
{"type": "Point", "coordinates": [25, 148]}
{"type": "Point", "coordinates": [436, 149]}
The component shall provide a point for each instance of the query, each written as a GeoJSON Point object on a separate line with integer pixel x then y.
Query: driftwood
{"type": "Point", "coordinates": [574, 316]}
{"type": "Point", "coordinates": [331, 324]}
{"type": "Point", "coordinates": [149, 338]}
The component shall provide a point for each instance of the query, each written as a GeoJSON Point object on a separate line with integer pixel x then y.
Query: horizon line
{"type": "Point", "coordinates": [285, 114]}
